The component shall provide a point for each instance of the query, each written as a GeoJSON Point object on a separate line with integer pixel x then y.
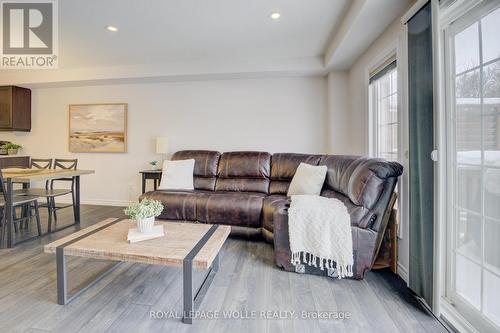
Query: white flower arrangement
{"type": "Point", "coordinates": [144, 209]}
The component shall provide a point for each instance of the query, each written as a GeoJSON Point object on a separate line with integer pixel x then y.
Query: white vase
{"type": "Point", "coordinates": [145, 224]}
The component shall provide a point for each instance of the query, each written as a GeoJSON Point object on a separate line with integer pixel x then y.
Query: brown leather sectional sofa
{"type": "Point", "coordinates": [247, 190]}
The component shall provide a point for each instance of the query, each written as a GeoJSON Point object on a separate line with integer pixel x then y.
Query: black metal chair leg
{"type": "Point", "coordinates": [10, 231]}
{"type": "Point", "coordinates": [37, 217]}
{"type": "Point", "coordinates": [25, 210]}
{"type": "Point", "coordinates": [49, 219]}
{"type": "Point", "coordinates": [3, 225]}
{"type": "Point", "coordinates": [48, 205]}
{"type": "Point", "coordinates": [74, 204]}
{"type": "Point", "coordinates": [54, 209]}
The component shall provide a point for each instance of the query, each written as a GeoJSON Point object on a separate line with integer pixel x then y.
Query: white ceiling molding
{"type": "Point", "coordinates": [178, 71]}
{"type": "Point", "coordinates": [364, 22]}
{"type": "Point", "coordinates": [351, 14]}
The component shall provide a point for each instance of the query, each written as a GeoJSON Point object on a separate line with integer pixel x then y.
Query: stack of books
{"type": "Point", "coordinates": [134, 235]}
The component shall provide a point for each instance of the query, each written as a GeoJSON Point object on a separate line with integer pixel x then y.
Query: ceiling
{"type": "Point", "coordinates": [174, 39]}
{"type": "Point", "coordinates": [155, 31]}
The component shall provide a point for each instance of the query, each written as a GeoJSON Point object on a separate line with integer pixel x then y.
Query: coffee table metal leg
{"type": "Point", "coordinates": [62, 290]}
{"type": "Point", "coordinates": [62, 281]}
{"type": "Point", "coordinates": [187, 286]}
{"type": "Point", "coordinates": [191, 303]}
{"type": "Point", "coordinates": [77, 199]}
{"type": "Point", "coordinates": [207, 281]}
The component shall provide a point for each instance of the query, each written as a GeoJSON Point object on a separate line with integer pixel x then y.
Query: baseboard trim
{"type": "Point", "coordinates": [403, 272]}
{"type": "Point", "coordinates": [98, 202]}
{"type": "Point", "coordinates": [451, 316]}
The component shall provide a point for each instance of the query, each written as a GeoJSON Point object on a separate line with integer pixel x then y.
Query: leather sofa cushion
{"type": "Point", "coordinates": [361, 179]}
{"type": "Point", "coordinates": [244, 171]}
{"type": "Point", "coordinates": [242, 185]}
{"type": "Point", "coordinates": [244, 164]}
{"type": "Point", "coordinates": [204, 183]}
{"type": "Point", "coordinates": [279, 186]}
{"type": "Point", "coordinates": [205, 166]}
{"type": "Point", "coordinates": [179, 204]}
{"type": "Point", "coordinates": [283, 167]}
{"type": "Point", "coordinates": [270, 204]}
{"type": "Point", "coordinates": [231, 208]}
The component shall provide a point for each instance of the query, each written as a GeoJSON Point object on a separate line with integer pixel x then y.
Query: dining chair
{"type": "Point", "coordinates": [17, 201]}
{"type": "Point", "coordinates": [35, 163]}
{"type": "Point", "coordinates": [49, 193]}
{"type": "Point", "coordinates": [64, 164]}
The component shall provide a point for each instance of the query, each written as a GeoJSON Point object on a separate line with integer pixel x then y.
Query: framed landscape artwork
{"type": "Point", "coordinates": [98, 128]}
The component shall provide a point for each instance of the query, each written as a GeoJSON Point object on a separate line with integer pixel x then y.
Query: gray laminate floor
{"type": "Point", "coordinates": [141, 298]}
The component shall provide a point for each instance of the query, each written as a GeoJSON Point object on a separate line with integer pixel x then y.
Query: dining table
{"type": "Point", "coordinates": [26, 176]}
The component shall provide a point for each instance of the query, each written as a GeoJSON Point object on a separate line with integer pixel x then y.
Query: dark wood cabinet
{"type": "Point", "coordinates": [15, 109]}
{"type": "Point", "coordinates": [14, 162]}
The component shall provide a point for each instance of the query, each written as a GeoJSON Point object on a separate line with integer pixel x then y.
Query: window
{"type": "Point", "coordinates": [474, 161]}
{"type": "Point", "coordinates": [384, 112]}
{"type": "Point", "coordinates": [384, 124]}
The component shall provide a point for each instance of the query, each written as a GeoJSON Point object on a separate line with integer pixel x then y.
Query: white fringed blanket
{"type": "Point", "coordinates": [320, 233]}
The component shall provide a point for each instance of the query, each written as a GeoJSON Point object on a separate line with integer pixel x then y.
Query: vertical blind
{"type": "Point", "coordinates": [421, 168]}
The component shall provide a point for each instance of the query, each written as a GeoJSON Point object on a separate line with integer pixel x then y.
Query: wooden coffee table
{"type": "Point", "coordinates": [190, 245]}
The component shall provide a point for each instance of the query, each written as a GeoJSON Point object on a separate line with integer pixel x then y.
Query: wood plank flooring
{"type": "Point", "coordinates": [144, 298]}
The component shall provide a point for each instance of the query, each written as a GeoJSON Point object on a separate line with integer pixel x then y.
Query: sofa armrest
{"type": "Point", "coordinates": [281, 241]}
{"type": "Point", "coordinates": [363, 246]}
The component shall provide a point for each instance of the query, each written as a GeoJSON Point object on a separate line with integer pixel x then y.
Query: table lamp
{"type": "Point", "coordinates": [162, 147]}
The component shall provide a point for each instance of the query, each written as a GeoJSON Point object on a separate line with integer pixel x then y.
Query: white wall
{"type": "Point", "coordinates": [359, 113]}
{"type": "Point", "coordinates": [275, 115]}
{"type": "Point", "coordinates": [339, 135]}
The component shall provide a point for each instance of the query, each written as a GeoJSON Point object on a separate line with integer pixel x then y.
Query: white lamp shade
{"type": "Point", "coordinates": [162, 145]}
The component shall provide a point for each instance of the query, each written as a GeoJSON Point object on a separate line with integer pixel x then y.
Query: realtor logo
{"type": "Point", "coordinates": [29, 34]}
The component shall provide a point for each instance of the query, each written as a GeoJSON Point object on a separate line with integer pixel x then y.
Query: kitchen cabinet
{"type": "Point", "coordinates": [14, 161]}
{"type": "Point", "coordinates": [15, 109]}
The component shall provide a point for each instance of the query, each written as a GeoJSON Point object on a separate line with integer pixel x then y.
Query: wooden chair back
{"type": "Point", "coordinates": [41, 163]}
{"type": "Point", "coordinates": [65, 163]}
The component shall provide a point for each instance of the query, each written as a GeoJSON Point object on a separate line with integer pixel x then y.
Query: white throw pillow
{"type": "Point", "coordinates": [308, 179]}
{"type": "Point", "coordinates": [177, 175]}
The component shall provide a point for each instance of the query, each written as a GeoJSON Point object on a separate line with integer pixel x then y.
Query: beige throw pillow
{"type": "Point", "coordinates": [308, 179]}
{"type": "Point", "coordinates": [177, 175]}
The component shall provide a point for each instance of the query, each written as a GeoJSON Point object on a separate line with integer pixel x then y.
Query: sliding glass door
{"type": "Point", "coordinates": [473, 87]}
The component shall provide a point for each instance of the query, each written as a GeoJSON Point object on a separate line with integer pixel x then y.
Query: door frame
{"type": "Point", "coordinates": [452, 20]}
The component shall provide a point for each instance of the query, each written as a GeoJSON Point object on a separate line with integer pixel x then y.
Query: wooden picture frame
{"type": "Point", "coordinates": [97, 128]}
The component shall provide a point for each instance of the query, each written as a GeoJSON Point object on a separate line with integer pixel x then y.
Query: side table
{"type": "Point", "coordinates": [155, 175]}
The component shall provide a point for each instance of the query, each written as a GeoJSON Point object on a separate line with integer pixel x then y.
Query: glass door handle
{"type": "Point", "coordinates": [434, 155]}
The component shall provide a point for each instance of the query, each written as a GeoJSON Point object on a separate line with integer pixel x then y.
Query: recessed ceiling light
{"type": "Point", "coordinates": [275, 15]}
{"type": "Point", "coordinates": [111, 28]}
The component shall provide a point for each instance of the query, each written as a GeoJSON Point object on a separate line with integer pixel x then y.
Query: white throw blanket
{"type": "Point", "coordinates": [320, 233]}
